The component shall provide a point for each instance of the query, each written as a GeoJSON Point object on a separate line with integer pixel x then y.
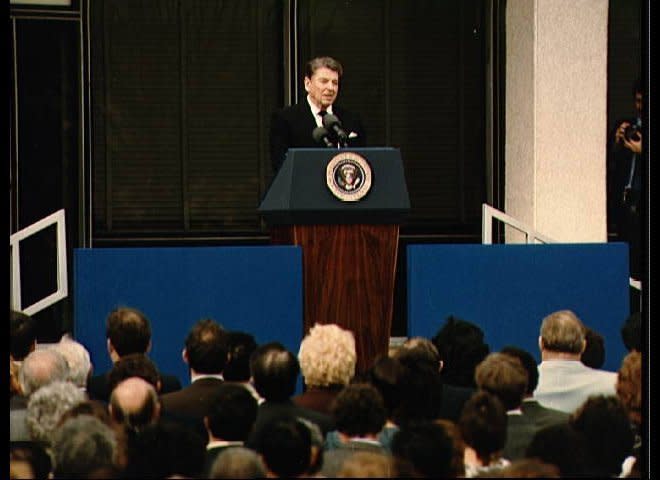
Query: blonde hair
{"type": "Point", "coordinates": [562, 331]}
{"type": "Point", "coordinates": [327, 356]}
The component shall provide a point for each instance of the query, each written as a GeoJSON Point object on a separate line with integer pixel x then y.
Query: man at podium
{"type": "Point", "coordinates": [293, 126]}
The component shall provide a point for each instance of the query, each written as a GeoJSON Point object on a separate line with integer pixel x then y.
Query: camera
{"type": "Point", "coordinates": [631, 132]}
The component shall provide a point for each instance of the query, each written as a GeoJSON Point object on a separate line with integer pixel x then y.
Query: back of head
{"type": "Point", "coordinates": [529, 364]}
{"type": "Point", "coordinates": [327, 356]}
{"type": "Point", "coordinates": [134, 403]}
{"type": "Point", "coordinates": [237, 462]}
{"type": "Point", "coordinates": [22, 334]}
{"type": "Point", "coordinates": [128, 330]}
{"type": "Point", "coordinates": [604, 423]}
{"type": "Point", "coordinates": [461, 347]}
{"type": "Point", "coordinates": [629, 386]}
{"type": "Point", "coordinates": [32, 454]}
{"type": "Point", "coordinates": [47, 406]}
{"type": "Point", "coordinates": [563, 332]}
{"type": "Point", "coordinates": [134, 365]}
{"type": "Point", "coordinates": [40, 368]}
{"type": "Point", "coordinates": [274, 371]}
{"type": "Point", "coordinates": [419, 352]}
{"type": "Point", "coordinates": [323, 62]}
{"type": "Point", "coordinates": [232, 413]}
{"type": "Point", "coordinates": [240, 346]}
{"type": "Point", "coordinates": [285, 447]}
{"type": "Point", "coordinates": [206, 347]}
{"type": "Point", "coordinates": [427, 447]}
{"type": "Point", "coordinates": [368, 465]}
{"type": "Point", "coordinates": [483, 424]}
{"type": "Point", "coordinates": [503, 376]}
{"type": "Point", "coordinates": [560, 445]}
{"type": "Point", "coordinates": [631, 332]}
{"type": "Point", "coordinates": [359, 410]}
{"type": "Point", "coordinates": [77, 358]}
{"type": "Point", "coordinates": [82, 445]}
{"type": "Point", "coordinates": [387, 375]}
{"type": "Point", "coordinates": [594, 352]}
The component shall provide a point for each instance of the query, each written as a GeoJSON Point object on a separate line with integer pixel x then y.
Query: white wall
{"type": "Point", "coordinates": [556, 113]}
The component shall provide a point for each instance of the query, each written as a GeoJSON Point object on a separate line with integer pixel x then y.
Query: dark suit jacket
{"type": "Point", "coordinates": [519, 433]}
{"type": "Point", "coordinates": [193, 401]}
{"type": "Point", "coordinates": [318, 399]}
{"type": "Point", "coordinates": [293, 126]}
{"type": "Point", "coordinates": [269, 411]}
{"type": "Point", "coordinates": [453, 399]}
{"type": "Point", "coordinates": [98, 386]}
{"type": "Point", "coordinates": [542, 416]}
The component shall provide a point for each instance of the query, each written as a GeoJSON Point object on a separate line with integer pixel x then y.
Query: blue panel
{"type": "Point", "coordinates": [508, 289]}
{"type": "Point", "coordinates": [254, 289]}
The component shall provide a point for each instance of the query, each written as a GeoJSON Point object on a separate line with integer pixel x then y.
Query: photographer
{"type": "Point", "coordinates": [625, 167]}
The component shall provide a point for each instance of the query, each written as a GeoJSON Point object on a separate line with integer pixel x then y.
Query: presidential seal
{"type": "Point", "coordinates": [348, 176]}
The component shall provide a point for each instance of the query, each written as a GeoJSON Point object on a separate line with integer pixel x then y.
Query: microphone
{"type": "Point", "coordinates": [321, 135]}
{"type": "Point", "coordinates": [331, 122]}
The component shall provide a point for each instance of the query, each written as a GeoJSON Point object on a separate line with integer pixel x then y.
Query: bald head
{"type": "Point", "coordinates": [40, 368]}
{"type": "Point", "coordinates": [134, 402]}
{"type": "Point", "coordinates": [562, 332]}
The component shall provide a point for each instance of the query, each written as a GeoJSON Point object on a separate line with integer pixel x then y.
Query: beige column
{"type": "Point", "coordinates": [556, 124]}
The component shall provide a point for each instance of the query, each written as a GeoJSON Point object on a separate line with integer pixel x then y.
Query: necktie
{"type": "Point", "coordinates": [321, 114]}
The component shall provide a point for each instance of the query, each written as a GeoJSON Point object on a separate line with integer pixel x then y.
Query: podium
{"type": "Point", "coordinates": [349, 246]}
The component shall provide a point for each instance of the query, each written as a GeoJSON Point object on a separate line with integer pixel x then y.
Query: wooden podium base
{"type": "Point", "coordinates": [348, 279]}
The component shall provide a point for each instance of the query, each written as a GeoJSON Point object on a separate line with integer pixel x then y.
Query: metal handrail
{"type": "Point", "coordinates": [531, 235]}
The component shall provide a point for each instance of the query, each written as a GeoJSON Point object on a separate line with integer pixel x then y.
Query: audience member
{"type": "Point", "coordinates": [561, 445]}
{"type": "Point", "coordinates": [427, 447]}
{"type": "Point", "coordinates": [594, 352]}
{"type": "Point", "coordinates": [483, 428]}
{"type": "Point", "coordinates": [165, 450]}
{"type": "Point", "coordinates": [28, 460]}
{"type": "Point", "coordinates": [77, 358]}
{"type": "Point", "coordinates": [458, 447]}
{"type": "Point", "coordinates": [134, 404]}
{"type": "Point", "coordinates": [461, 347]}
{"type": "Point", "coordinates": [327, 361]}
{"type": "Point", "coordinates": [565, 382]}
{"type": "Point", "coordinates": [446, 400]}
{"type": "Point", "coordinates": [14, 384]}
{"type": "Point", "coordinates": [100, 410]}
{"type": "Point", "coordinates": [238, 462]}
{"type": "Point", "coordinates": [205, 352]}
{"type": "Point", "coordinates": [604, 423]}
{"type": "Point", "coordinates": [39, 368]}
{"type": "Point", "coordinates": [359, 414]}
{"type": "Point", "coordinates": [368, 465]}
{"type": "Point", "coordinates": [240, 346]}
{"type": "Point", "coordinates": [540, 415]}
{"type": "Point", "coordinates": [22, 335]}
{"type": "Point", "coordinates": [81, 446]}
{"type": "Point", "coordinates": [229, 421]}
{"type": "Point", "coordinates": [387, 375]}
{"type": "Point", "coordinates": [504, 376]}
{"type": "Point", "coordinates": [47, 406]}
{"type": "Point", "coordinates": [128, 330]}
{"type": "Point", "coordinates": [134, 365]}
{"type": "Point", "coordinates": [285, 448]}
{"type": "Point", "coordinates": [629, 391]}
{"type": "Point", "coordinates": [631, 332]}
{"type": "Point", "coordinates": [275, 372]}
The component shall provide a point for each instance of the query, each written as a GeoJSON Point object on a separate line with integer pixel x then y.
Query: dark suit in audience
{"type": "Point", "coordinates": [128, 331]}
{"type": "Point", "coordinates": [206, 354]}
{"type": "Point", "coordinates": [275, 372]}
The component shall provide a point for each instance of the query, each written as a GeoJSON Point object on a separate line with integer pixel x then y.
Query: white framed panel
{"type": "Point", "coordinates": [57, 219]}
